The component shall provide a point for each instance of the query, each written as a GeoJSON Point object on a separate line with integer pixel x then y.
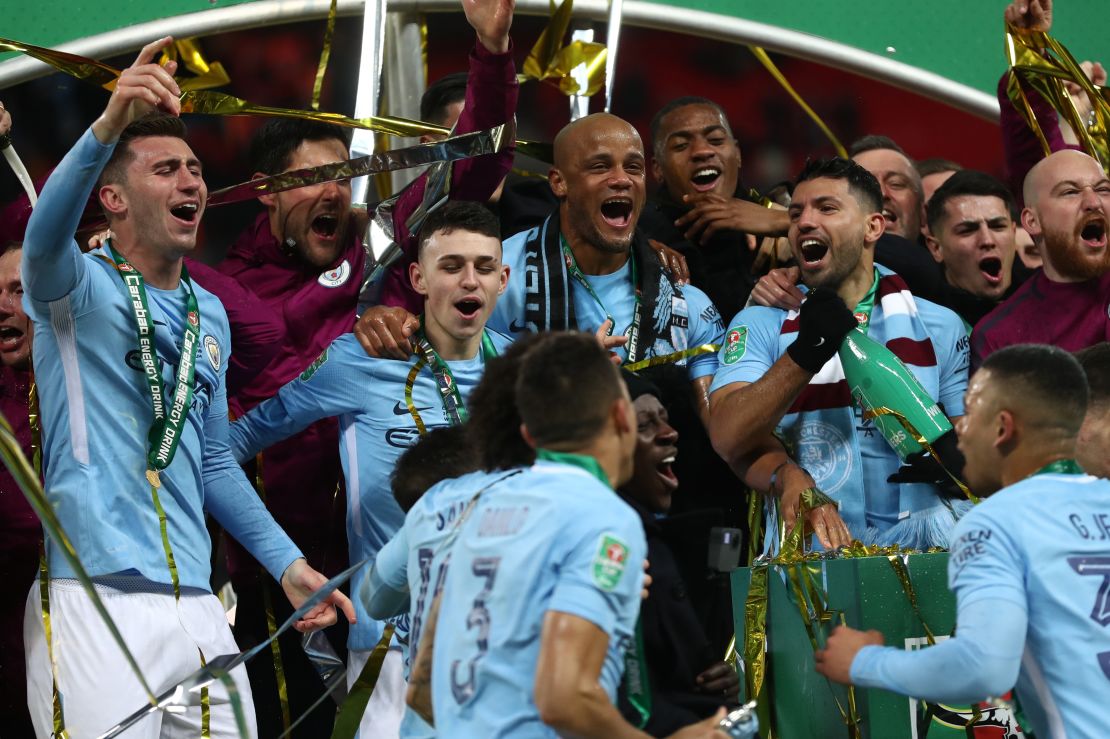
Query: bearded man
{"type": "Point", "coordinates": [1067, 198]}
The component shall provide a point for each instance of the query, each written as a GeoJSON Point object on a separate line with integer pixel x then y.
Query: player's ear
{"type": "Point", "coordinates": [504, 279]}
{"type": "Point", "coordinates": [416, 277]}
{"type": "Point", "coordinates": [557, 183]}
{"type": "Point", "coordinates": [267, 199]}
{"type": "Point", "coordinates": [113, 199]}
{"type": "Point", "coordinates": [624, 415]}
{"type": "Point", "coordinates": [1006, 430]}
{"type": "Point", "coordinates": [528, 438]}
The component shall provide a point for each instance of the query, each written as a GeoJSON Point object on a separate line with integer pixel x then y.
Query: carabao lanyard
{"type": "Point", "coordinates": [863, 310]}
{"type": "Point", "coordinates": [449, 395]}
{"type": "Point", "coordinates": [165, 431]}
{"type": "Point", "coordinates": [1060, 467]}
{"type": "Point", "coordinates": [580, 278]}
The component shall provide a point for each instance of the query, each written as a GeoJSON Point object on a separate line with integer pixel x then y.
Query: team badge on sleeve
{"type": "Point", "coordinates": [212, 349]}
{"type": "Point", "coordinates": [736, 343]}
{"type": "Point", "coordinates": [316, 364]}
{"type": "Point", "coordinates": [609, 562]}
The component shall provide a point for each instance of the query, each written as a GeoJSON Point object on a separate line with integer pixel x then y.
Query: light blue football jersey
{"type": "Point", "coordinates": [1044, 545]}
{"type": "Point", "coordinates": [415, 559]}
{"type": "Point", "coordinates": [96, 408]}
{"type": "Point", "coordinates": [375, 427]}
{"type": "Point", "coordinates": [553, 538]}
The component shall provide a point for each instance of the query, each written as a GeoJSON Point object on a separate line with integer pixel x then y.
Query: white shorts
{"type": "Point", "coordinates": [386, 707]}
{"type": "Point", "coordinates": [97, 685]}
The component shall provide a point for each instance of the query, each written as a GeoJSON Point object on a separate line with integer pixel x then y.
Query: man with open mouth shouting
{"type": "Point", "coordinates": [1067, 202]}
{"type": "Point", "coordinates": [384, 405]}
{"type": "Point", "coordinates": [131, 370]}
{"type": "Point", "coordinates": [780, 379]}
{"type": "Point", "coordinates": [588, 266]}
{"type": "Point", "coordinates": [972, 236]}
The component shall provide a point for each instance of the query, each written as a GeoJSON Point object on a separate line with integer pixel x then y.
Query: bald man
{"type": "Point", "coordinates": [1067, 201]}
{"type": "Point", "coordinates": [588, 264]}
{"type": "Point", "coordinates": [1026, 565]}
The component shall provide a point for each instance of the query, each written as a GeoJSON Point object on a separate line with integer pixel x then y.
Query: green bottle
{"type": "Point", "coordinates": [877, 379]}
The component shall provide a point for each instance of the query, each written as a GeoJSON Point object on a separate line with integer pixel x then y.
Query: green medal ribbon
{"type": "Point", "coordinates": [867, 304]}
{"type": "Point", "coordinates": [581, 461]}
{"type": "Point", "coordinates": [453, 406]}
{"type": "Point", "coordinates": [1060, 467]}
{"type": "Point", "coordinates": [580, 278]}
{"type": "Point", "coordinates": [637, 685]}
{"type": "Point", "coordinates": [165, 431]}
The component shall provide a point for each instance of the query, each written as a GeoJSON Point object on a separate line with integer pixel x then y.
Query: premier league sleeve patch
{"type": "Point", "coordinates": [736, 343]}
{"type": "Point", "coordinates": [609, 562]}
{"type": "Point", "coordinates": [212, 349]}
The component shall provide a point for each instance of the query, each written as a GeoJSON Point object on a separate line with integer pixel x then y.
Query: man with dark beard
{"type": "Point", "coordinates": [1067, 198]}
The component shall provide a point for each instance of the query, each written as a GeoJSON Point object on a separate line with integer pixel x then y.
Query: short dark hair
{"type": "Point", "coordinates": [273, 145]}
{"type": "Point", "coordinates": [861, 183]}
{"type": "Point", "coordinates": [673, 105]}
{"type": "Point", "coordinates": [1043, 375]}
{"type": "Point", "coordinates": [459, 215]}
{"type": "Point", "coordinates": [494, 418]}
{"type": "Point", "coordinates": [936, 165]}
{"type": "Point", "coordinates": [966, 182]}
{"type": "Point", "coordinates": [874, 141]}
{"type": "Point", "coordinates": [152, 124]}
{"type": "Point", "coordinates": [565, 389]}
{"type": "Point", "coordinates": [1095, 361]}
{"type": "Point", "coordinates": [440, 94]}
{"type": "Point", "coordinates": [441, 454]}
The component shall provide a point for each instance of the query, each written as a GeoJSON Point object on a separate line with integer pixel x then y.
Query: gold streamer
{"type": "Point", "coordinates": [57, 715]}
{"type": "Point", "coordinates": [208, 102]}
{"type": "Point", "coordinates": [920, 439]}
{"type": "Point", "coordinates": [409, 382]}
{"type": "Point", "coordinates": [318, 84]}
{"type": "Point", "coordinates": [771, 67]}
{"type": "Point", "coordinates": [28, 482]}
{"type": "Point", "coordinates": [350, 713]}
{"type": "Point", "coordinates": [207, 75]}
{"type": "Point", "coordinates": [1045, 64]}
{"type": "Point", "coordinates": [271, 618]}
{"type": "Point", "coordinates": [549, 61]}
{"type": "Point", "coordinates": [678, 356]}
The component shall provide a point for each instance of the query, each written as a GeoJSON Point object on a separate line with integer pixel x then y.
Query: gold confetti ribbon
{"type": "Point", "coordinates": [207, 75]}
{"type": "Point", "coordinates": [678, 356]}
{"type": "Point", "coordinates": [271, 618]}
{"type": "Point", "coordinates": [325, 54]}
{"type": "Point", "coordinates": [410, 381]}
{"type": "Point", "coordinates": [457, 147]}
{"type": "Point", "coordinates": [921, 440]}
{"type": "Point", "coordinates": [1045, 65]}
{"type": "Point", "coordinates": [771, 67]}
{"type": "Point", "coordinates": [209, 102]}
{"type": "Point", "coordinates": [57, 714]}
{"type": "Point", "coordinates": [13, 458]}
{"type": "Point", "coordinates": [549, 61]}
{"type": "Point", "coordinates": [350, 713]}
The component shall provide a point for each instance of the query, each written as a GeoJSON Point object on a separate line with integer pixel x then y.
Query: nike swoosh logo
{"type": "Point", "coordinates": [402, 410]}
{"type": "Point", "coordinates": [517, 329]}
{"type": "Point", "coordinates": [822, 341]}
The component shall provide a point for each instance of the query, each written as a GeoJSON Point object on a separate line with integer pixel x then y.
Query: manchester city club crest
{"type": "Point", "coordinates": [212, 349]}
{"type": "Point", "coordinates": [336, 277]}
{"type": "Point", "coordinates": [825, 453]}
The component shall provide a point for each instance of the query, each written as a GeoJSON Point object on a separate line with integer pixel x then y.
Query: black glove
{"type": "Point", "coordinates": [823, 322]}
{"type": "Point", "coordinates": [923, 467]}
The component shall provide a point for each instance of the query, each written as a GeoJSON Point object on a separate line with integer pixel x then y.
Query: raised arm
{"type": "Point", "coordinates": [52, 261]}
